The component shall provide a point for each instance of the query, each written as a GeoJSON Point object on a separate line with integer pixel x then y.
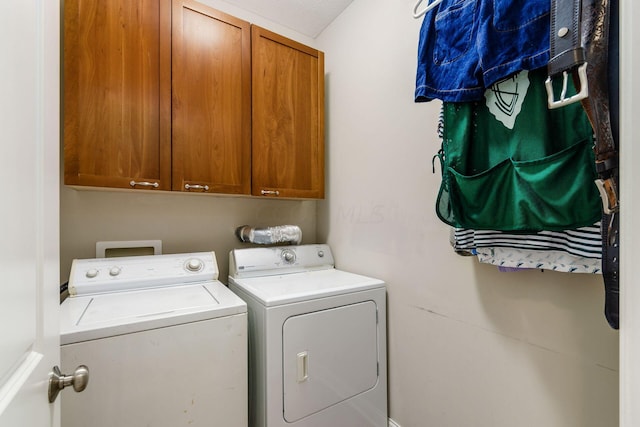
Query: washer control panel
{"type": "Point", "coordinates": [102, 275]}
{"type": "Point", "coordinates": [251, 262]}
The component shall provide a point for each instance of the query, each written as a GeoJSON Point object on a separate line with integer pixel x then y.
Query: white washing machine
{"type": "Point", "coordinates": [165, 343]}
{"type": "Point", "coordinates": [317, 339]}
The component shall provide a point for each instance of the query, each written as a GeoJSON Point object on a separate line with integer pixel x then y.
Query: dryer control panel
{"type": "Point", "coordinates": [253, 262]}
{"type": "Point", "coordinates": [100, 275]}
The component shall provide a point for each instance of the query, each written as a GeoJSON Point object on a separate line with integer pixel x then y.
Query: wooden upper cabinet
{"type": "Point", "coordinates": [175, 95]}
{"type": "Point", "coordinates": [211, 120]}
{"type": "Point", "coordinates": [288, 117]}
{"type": "Point", "coordinates": [117, 93]}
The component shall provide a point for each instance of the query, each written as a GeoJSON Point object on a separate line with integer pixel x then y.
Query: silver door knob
{"type": "Point", "coordinates": [79, 380]}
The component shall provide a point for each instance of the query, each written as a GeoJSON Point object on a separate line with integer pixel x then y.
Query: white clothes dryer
{"type": "Point", "coordinates": [165, 343]}
{"type": "Point", "coordinates": [317, 339]}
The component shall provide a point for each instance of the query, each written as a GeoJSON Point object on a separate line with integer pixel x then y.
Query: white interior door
{"type": "Point", "coordinates": [29, 216]}
{"type": "Point", "coordinates": [629, 218]}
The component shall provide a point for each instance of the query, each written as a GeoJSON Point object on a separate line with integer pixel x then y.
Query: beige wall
{"type": "Point", "coordinates": [184, 222]}
{"type": "Point", "coordinates": [468, 345]}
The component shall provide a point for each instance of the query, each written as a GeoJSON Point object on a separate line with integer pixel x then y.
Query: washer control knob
{"type": "Point", "coordinates": [321, 254]}
{"type": "Point", "coordinates": [114, 271]}
{"type": "Point", "coordinates": [288, 256]}
{"type": "Point", "coordinates": [91, 273]}
{"type": "Point", "coordinates": [194, 264]}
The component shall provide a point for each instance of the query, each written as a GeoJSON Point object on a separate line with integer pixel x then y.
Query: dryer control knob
{"type": "Point", "coordinates": [194, 264]}
{"type": "Point", "coordinates": [288, 256]}
{"type": "Point", "coordinates": [114, 271]}
{"type": "Point", "coordinates": [91, 273]}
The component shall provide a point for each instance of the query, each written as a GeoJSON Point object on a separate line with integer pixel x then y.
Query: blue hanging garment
{"type": "Point", "coordinates": [466, 46]}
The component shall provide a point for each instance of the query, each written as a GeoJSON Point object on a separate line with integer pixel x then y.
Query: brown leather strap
{"type": "Point", "coordinates": [595, 39]}
{"type": "Point", "coordinates": [595, 36]}
{"type": "Point", "coordinates": [595, 33]}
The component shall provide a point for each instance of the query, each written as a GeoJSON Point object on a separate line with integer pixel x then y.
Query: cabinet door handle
{"type": "Point", "coordinates": [190, 187]}
{"type": "Point", "coordinates": [144, 184]}
{"type": "Point", "coordinates": [270, 192]}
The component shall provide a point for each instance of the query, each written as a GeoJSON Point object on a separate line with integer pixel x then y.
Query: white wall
{"type": "Point", "coordinates": [629, 223]}
{"type": "Point", "coordinates": [468, 346]}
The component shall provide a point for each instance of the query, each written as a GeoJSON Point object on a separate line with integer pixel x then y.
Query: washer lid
{"type": "Point", "coordinates": [89, 317]}
{"type": "Point", "coordinates": [295, 287]}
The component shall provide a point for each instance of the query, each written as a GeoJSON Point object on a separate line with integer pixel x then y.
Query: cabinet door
{"type": "Point", "coordinates": [117, 93]}
{"type": "Point", "coordinates": [288, 117]}
{"type": "Point", "coordinates": [211, 73]}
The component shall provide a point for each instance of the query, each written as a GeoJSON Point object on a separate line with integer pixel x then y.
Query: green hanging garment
{"type": "Point", "coordinates": [511, 164]}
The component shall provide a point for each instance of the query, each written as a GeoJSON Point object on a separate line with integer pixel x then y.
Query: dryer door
{"type": "Point", "coordinates": [329, 357]}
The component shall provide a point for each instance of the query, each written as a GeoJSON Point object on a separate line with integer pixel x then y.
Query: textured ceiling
{"type": "Point", "coordinates": [308, 17]}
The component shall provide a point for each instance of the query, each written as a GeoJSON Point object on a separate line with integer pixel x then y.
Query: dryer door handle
{"type": "Point", "coordinates": [303, 366]}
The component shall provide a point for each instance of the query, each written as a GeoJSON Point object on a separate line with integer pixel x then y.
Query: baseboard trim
{"type": "Point", "coordinates": [393, 423]}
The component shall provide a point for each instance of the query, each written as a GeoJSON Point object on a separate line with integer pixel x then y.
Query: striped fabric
{"type": "Point", "coordinates": [582, 242]}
